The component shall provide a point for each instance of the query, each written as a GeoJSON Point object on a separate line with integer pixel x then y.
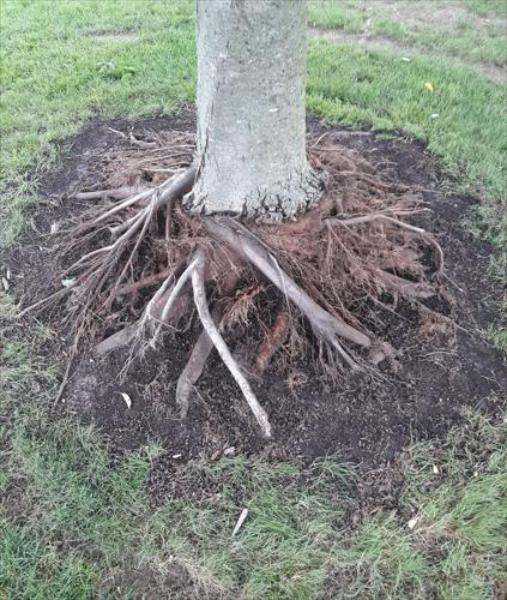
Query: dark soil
{"type": "Point", "coordinates": [175, 584]}
{"type": "Point", "coordinates": [362, 419]}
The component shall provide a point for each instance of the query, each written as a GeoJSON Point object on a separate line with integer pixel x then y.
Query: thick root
{"type": "Point", "coordinates": [192, 371]}
{"type": "Point", "coordinates": [219, 343]}
{"type": "Point", "coordinates": [200, 353]}
{"type": "Point", "coordinates": [116, 194]}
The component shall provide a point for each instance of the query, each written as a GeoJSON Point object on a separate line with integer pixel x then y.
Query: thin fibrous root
{"type": "Point", "coordinates": [58, 295]}
{"type": "Point", "coordinates": [222, 349]}
{"type": "Point", "coordinates": [275, 338]}
{"type": "Point", "coordinates": [152, 313]}
{"type": "Point", "coordinates": [99, 264]}
{"type": "Point", "coordinates": [149, 281]}
{"type": "Point", "coordinates": [172, 188]}
{"type": "Point", "coordinates": [382, 216]}
{"type": "Point", "coordinates": [325, 325]}
{"type": "Point", "coordinates": [373, 217]}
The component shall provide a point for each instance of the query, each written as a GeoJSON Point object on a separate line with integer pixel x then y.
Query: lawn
{"type": "Point", "coordinates": [466, 30]}
{"type": "Point", "coordinates": [73, 525]}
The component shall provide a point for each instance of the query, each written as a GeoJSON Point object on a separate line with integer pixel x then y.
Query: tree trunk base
{"type": "Point", "coordinates": [283, 201]}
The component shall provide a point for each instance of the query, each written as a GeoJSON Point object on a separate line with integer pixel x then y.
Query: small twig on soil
{"type": "Point", "coordinates": [240, 521]}
{"type": "Point", "coordinates": [65, 379]}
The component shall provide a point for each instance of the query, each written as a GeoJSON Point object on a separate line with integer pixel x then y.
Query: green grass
{"type": "Point", "coordinates": [377, 88]}
{"type": "Point", "coordinates": [77, 524]}
{"type": "Point", "coordinates": [76, 527]}
{"type": "Point", "coordinates": [335, 15]}
{"type": "Point", "coordinates": [59, 69]}
{"type": "Point", "coordinates": [463, 120]}
{"type": "Point", "coordinates": [497, 334]}
{"type": "Point", "coordinates": [487, 8]}
{"type": "Point", "coordinates": [460, 34]}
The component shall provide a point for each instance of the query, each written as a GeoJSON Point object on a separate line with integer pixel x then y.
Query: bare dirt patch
{"type": "Point", "coordinates": [427, 13]}
{"type": "Point", "coordinates": [362, 418]}
{"type": "Point", "coordinates": [176, 581]}
{"type": "Point", "coordinates": [371, 41]}
{"type": "Point", "coordinates": [122, 37]}
{"type": "Point", "coordinates": [14, 503]}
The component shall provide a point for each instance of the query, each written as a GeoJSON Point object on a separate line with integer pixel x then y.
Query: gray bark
{"type": "Point", "coordinates": [251, 154]}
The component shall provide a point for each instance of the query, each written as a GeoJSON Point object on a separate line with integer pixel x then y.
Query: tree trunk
{"type": "Point", "coordinates": [251, 154]}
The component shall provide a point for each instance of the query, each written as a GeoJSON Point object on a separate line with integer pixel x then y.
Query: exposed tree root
{"type": "Point", "coordinates": [354, 250]}
{"type": "Point", "coordinates": [219, 343]}
{"type": "Point", "coordinates": [325, 325]}
{"type": "Point", "coordinates": [192, 371]}
{"type": "Point", "coordinates": [116, 194]}
{"type": "Point", "coordinates": [199, 355]}
{"type": "Point", "coordinates": [271, 344]}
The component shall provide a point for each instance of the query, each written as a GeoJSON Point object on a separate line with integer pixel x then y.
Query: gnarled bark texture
{"type": "Point", "coordinates": [251, 155]}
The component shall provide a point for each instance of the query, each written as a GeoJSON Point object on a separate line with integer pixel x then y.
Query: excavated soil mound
{"type": "Point", "coordinates": [362, 418]}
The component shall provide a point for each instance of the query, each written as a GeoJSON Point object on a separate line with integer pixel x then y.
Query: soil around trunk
{"type": "Point", "coordinates": [360, 419]}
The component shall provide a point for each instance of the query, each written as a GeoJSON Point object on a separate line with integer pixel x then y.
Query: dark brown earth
{"type": "Point", "coordinates": [362, 419]}
{"type": "Point", "coordinates": [149, 584]}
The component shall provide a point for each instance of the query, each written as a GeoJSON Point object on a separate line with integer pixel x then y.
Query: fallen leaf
{"type": "Point", "coordinates": [429, 86]}
{"type": "Point", "coordinates": [127, 399]}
